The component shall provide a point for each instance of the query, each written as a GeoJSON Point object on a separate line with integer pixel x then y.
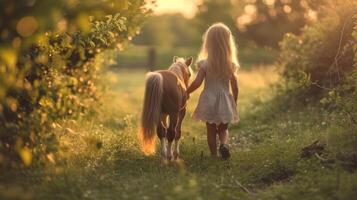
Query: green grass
{"type": "Point", "coordinates": [100, 158]}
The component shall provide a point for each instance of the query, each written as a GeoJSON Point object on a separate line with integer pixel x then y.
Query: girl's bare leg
{"type": "Point", "coordinates": [211, 138]}
{"type": "Point", "coordinates": [223, 138]}
{"type": "Point", "coordinates": [223, 133]}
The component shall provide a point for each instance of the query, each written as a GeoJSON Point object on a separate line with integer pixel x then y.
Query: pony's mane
{"type": "Point", "coordinates": [176, 67]}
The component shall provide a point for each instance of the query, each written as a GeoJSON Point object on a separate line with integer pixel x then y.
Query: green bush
{"type": "Point", "coordinates": [320, 65]}
{"type": "Point", "coordinates": [52, 74]}
{"type": "Point", "coordinates": [320, 58]}
{"type": "Point", "coordinates": [344, 96]}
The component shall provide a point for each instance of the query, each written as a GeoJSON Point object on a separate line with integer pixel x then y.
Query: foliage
{"type": "Point", "coordinates": [254, 23]}
{"type": "Point", "coordinates": [320, 64]}
{"type": "Point", "coordinates": [344, 97]}
{"type": "Point", "coordinates": [169, 30]}
{"type": "Point", "coordinates": [266, 22]}
{"type": "Point", "coordinates": [258, 23]}
{"type": "Point", "coordinates": [322, 56]}
{"type": "Point", "coordinates": [50, 74]}
{"type": "Point", "coordinates": [212, 11]}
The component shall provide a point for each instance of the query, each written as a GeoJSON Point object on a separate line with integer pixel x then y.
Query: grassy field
{"type": "Point", "coordinates": [137, 56]}
{"type": "Point", "coordinates": [99, 155]}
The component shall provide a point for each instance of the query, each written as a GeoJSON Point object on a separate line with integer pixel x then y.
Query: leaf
{"type": "Point", "coordinates": [116, 16]}
{"type": "Point", "coordinates": [70, 131]}
{"type": "Point", "coordinates": [91, 44]}
{"type": "Point", "coordinates": [111, 34]}
{"type": "Point", "coordinates": [46, 102]}
{"type": "Point", "coordinates": [26, 156]}
{"type": "Point", "coordinates": [9, 56]}
{"type": "Point", "coordinates": [103, 40]}
{"type": "Point", "coordinates": [51, 158]}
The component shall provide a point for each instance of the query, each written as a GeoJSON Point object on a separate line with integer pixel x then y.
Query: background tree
{"type": "Point", "coordinates": [168, 30]}
{"type": "Point", "coordinates": [212, 11]}
{"type": "Point", "coordinates": [258, 22]}
{"type": "Point", "coordinates": [266, 21]}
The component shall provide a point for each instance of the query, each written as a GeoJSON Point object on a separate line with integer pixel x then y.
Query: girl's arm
{"type": "Point", "coordinates": [198, 81]}
{"type": "Point", "coordinates": [234, 87]}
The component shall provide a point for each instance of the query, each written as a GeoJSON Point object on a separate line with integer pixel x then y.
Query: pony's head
{"type": "Point", "coordinates": [182, 66]}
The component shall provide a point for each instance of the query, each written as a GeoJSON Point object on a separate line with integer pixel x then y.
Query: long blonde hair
{"type": "Point", "coordinates": [219, 51]}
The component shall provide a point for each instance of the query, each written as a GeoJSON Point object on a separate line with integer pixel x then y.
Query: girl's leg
{"type": "Point", "coordinates": [223, 138]}
{"type": "Point", "coordinates": [211, 138]}
{"type": "Point", "coordinates": [223, 133]}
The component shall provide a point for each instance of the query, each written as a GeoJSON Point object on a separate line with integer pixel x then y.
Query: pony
{"type": "Point", "coordinates": [165, 98]}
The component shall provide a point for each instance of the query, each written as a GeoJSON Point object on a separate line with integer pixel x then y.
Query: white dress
{"type": "Point", "coordinates": [216, 104]}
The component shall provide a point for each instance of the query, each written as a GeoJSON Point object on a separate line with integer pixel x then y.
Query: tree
{"type": "Point", "coordinates": [168, 30]}
{"type": "Point", "coordinates": [266, 21]}
{"type": "Point", "coordinates": [212, 11]}
{"type": "Point", "coordinates": [261, 22]}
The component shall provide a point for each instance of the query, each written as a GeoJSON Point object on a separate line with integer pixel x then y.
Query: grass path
{"type": "Point", "coordinates": [99, 155]}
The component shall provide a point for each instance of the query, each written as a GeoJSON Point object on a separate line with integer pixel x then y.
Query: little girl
{"type": "Point", "coordinates": [217, 66]}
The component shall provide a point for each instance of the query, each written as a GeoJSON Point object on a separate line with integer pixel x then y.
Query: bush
{"type": "Point", "coordinates": [54, 78]}
{"type": "Point", "coordinates": [320, 68]}
{"type": "Point", "coordinates": [320, 58]}
{"type": "Point", "coordinates": [321, 64]}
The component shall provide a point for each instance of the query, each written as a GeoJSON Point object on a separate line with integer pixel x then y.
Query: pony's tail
{"type": "Point", "coordinates": [151, 111]}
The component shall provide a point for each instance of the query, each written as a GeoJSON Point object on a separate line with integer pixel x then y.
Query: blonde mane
{"type": "Point", "coordinates": [176, 68]}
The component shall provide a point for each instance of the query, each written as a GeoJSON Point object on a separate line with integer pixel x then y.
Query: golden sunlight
{"type": "Point", "coordinates": [186, 7]}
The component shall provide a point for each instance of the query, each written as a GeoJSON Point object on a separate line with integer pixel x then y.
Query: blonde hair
{"type": "Point", "coordinates": [219, 51]}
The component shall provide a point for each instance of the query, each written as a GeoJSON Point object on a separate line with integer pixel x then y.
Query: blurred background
{"type": "Point", "coordinates": [177, 26]}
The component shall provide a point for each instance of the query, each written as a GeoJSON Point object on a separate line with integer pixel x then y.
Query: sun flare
{"type": "Point", "coordinates": [186, 7]}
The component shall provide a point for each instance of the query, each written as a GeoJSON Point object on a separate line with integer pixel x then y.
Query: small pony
{"type": "Point", "coordinates": [165, 96]}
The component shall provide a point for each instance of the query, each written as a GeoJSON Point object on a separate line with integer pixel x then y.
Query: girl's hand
{"type": "Point", "coordinates": [197, 82]}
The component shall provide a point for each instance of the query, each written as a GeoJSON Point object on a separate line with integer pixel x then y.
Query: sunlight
{"type": "Point", "coordinates": [186, 7]}
{"type": "Point", "coordinates": [90, 88]}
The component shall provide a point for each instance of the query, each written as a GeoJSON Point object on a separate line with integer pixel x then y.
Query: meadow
{"type": "Point", "coordinates": [71, 90]}
{"type": "Point", "coordinates": [99, 155]}
{"type": "Point", "coordinates": [136, 56]}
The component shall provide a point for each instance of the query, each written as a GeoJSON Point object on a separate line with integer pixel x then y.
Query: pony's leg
{"type": "Point", "coordinates": [171, 133]}
{"type": "Point", "coordinates": [161, 133]}
{"type": "Point", "coordinates": [178, 134]}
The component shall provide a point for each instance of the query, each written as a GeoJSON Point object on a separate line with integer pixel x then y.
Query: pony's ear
{"type": "Point", "coordinates": [188, 61]}
{"type": "Point", "coordinates": [174, 59]}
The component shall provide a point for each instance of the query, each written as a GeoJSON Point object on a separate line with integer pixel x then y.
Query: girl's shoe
{"type": "Point", "coordinates": [224, 151]}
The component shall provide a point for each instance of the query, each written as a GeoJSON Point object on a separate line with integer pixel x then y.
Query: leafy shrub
{"type": "Point", "coordinates": [322, 55]}
{"type": "Point", "coordinates": [321, 63]}
{"type": "Point", "coordinates": [320, 66]}
{"type": "Point", "coordinates": [54, 77]}
{"type": "Point", "coordinates": [344, 97]}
